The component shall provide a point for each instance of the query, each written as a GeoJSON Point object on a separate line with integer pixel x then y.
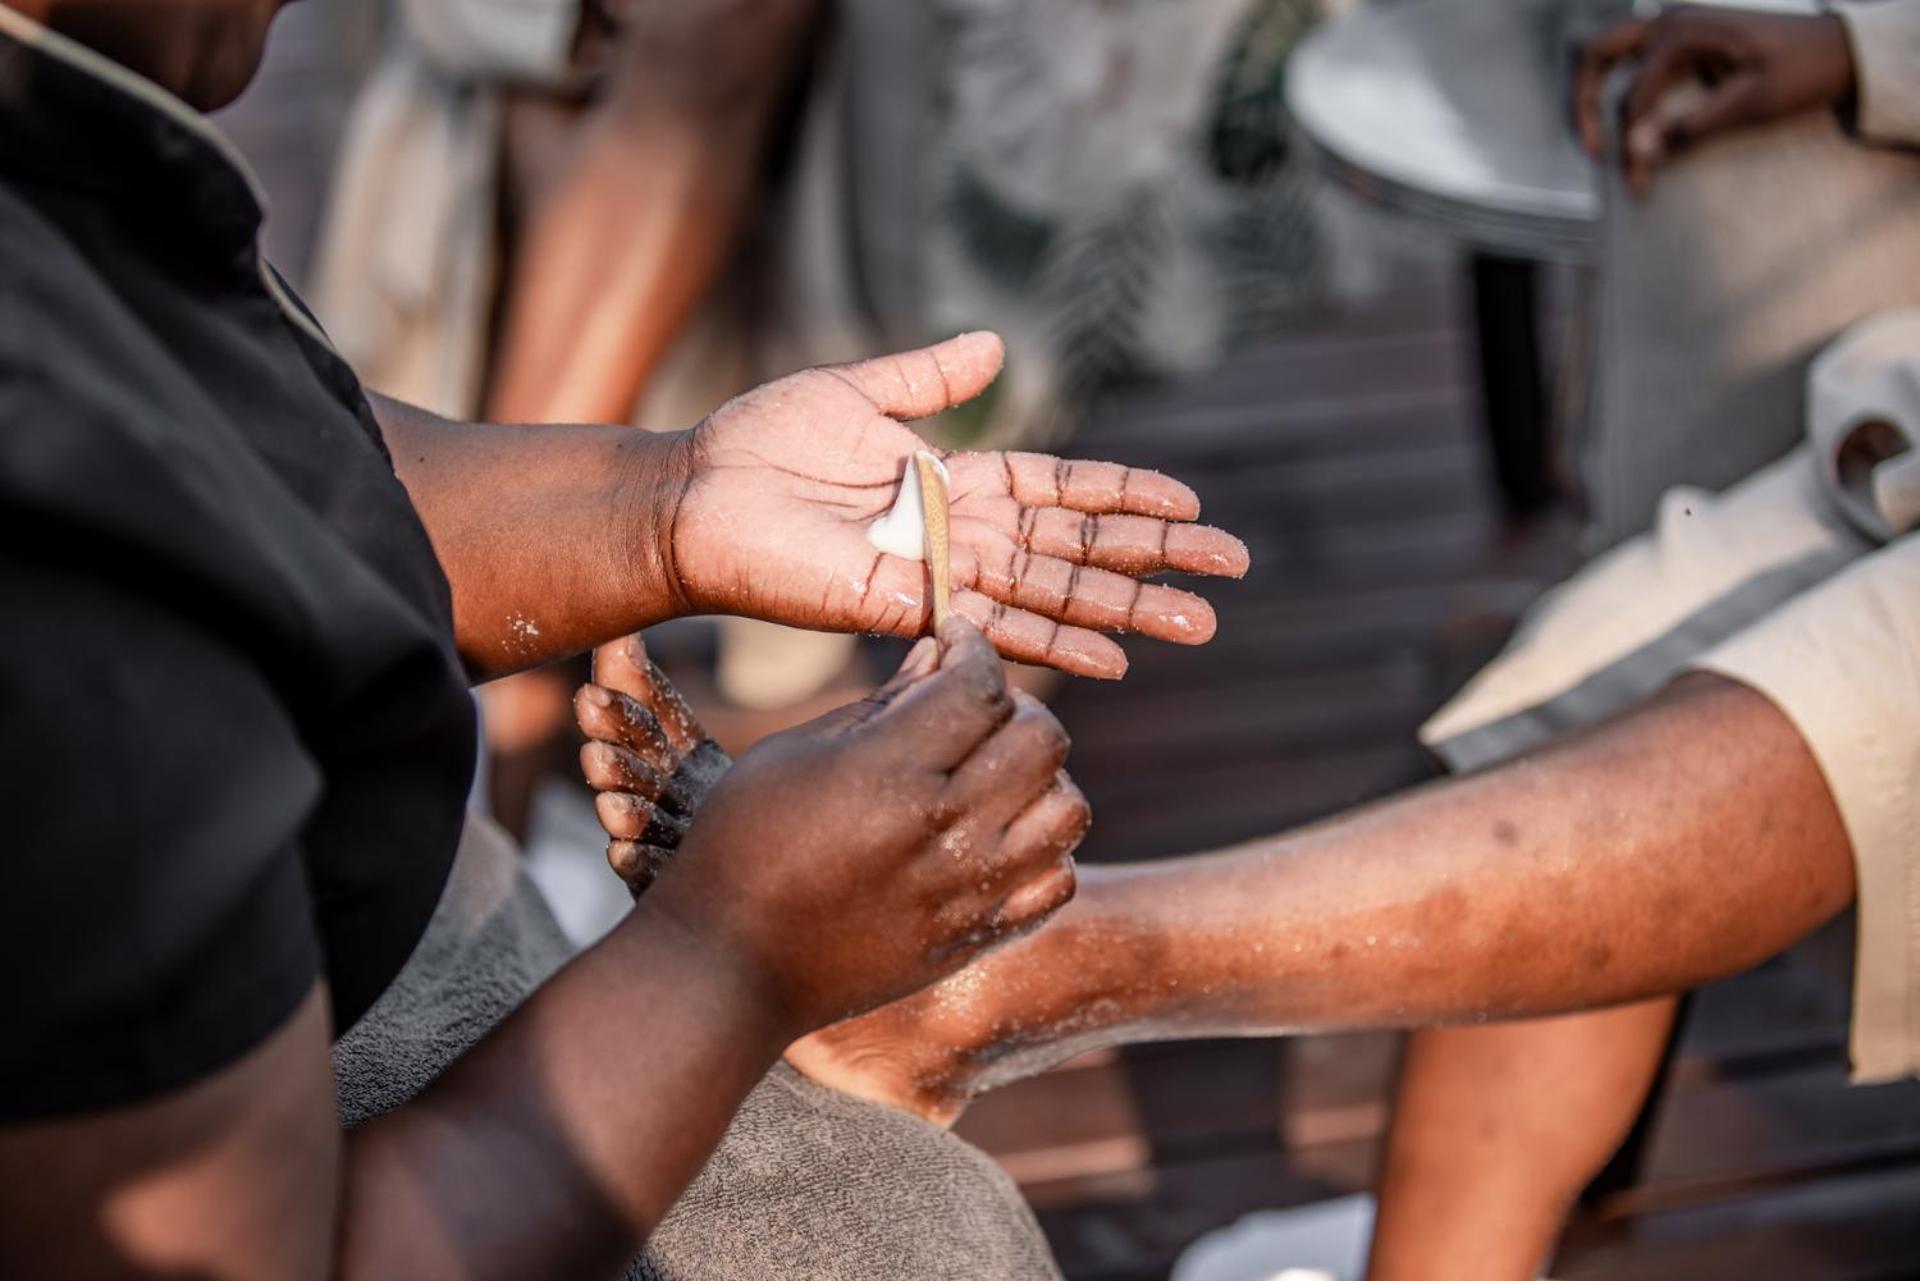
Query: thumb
{"type": "Point", "coordinates": [918, 384]}
{"type": "Point", "coordinates": [942, 717]}
{"type": "Point", "coordinates": [1693, 112]}
{"type": "Point", "coordinates": [1684, 115]}
{"type": "Point", "coordinates": [922, 661]}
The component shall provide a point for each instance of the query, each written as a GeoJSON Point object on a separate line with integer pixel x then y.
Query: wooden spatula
{"type": "Point", "coordinates": [933, 507]}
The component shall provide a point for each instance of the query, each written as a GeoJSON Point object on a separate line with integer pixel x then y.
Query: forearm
{"type": "Point", "coordinates": [612, 261]}
{"type": "Point", "coordinates": [558, 1143]}
{"type": "Point", "coordinates": [553, 539]}
{"type": "Point", "coordinates": [1679, 844]}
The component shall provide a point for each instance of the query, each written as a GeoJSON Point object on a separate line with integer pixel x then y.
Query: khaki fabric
{"type": "Point", "coordinates": [1843, 662]}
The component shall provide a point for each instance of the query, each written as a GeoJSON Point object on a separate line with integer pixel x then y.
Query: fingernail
{"type": "Point", "coordinates": [598, 696]}
{"type": "Point", "coordinates": [624, 858]}
{"type": "Point", "coordinates": [957, 627]}
{"type": "Point", "coordinates": [924, 657]}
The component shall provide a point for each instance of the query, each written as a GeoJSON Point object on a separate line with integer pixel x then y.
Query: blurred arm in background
{"type": "Point", "coordinates": [622, 214]}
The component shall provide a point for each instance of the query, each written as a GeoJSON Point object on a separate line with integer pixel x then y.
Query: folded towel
{"type": "Point", "coordinates": [808, 1184]}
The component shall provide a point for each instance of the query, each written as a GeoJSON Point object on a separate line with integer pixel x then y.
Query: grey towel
{"type": "Point", "coordinates": [808, 1183]}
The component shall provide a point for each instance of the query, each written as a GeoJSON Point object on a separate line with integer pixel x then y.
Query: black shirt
{"type": "Point", "coordinates": [235, 741]}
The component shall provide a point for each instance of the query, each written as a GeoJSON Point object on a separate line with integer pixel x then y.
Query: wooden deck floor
{"type": "Point", "coordinates": [1347, 454]}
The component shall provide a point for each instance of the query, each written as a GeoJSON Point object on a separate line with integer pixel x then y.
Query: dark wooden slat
{"type": "Point", "coordinates": [1788, 1124]}
{"type": "Point", "coordinates": [1863, 1227]}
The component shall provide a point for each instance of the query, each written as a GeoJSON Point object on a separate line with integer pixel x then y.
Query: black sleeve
{"type": "Point", "coordinates": [156, 921]}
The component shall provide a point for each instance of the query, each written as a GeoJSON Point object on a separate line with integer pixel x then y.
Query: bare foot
{"type": "Point", "coordinates": [921, 1054]}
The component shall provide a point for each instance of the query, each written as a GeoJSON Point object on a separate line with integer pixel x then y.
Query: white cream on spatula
{"type": "Point", "coordinates": [903, 530]}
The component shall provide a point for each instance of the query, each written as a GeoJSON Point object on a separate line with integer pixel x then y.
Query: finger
{"type": "Point", "coordinates": [1052, 826]}
{"type": "Point", "coordinates": [1597, 60]}
{"type": "Point", "coordinates": [1027, 637]}
{"type": "Point", "coordinates": [1136, 545]}
{"type": "Point", "coordinates": [627, 817]}
{"type": "Point", "coordinates": [608, 716]}
{"type": "Point", "coordinates": [942, 717]}
{"type": "Point", "coordinates": [1034, 901]}
{"type": "Point", "coordinates": [1017, 633]}
{"type": "Point", "coordinates": [636, 864]}
{"type": "Point", "coordinates": [1668, 64]}
{"type": "Point", "coordinates": [1093, 598]}
{"type": "Point", "coordinates": [623, 666]}
{"type": "Point", "coordinates": [917, 384]}
{"type": "Point", "coordinates": [1694, 112]}
{"type": "Point", "coordinates": [1041, 480]}
{"type": "Point", "coordinates": [608, 767]}
{"type": "Point", "coordinates": [1010, 770]}
{"type": "Point", "coordinates": [921, 661]}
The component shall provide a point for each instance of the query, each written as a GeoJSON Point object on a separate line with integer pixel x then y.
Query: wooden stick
{"type": "Point", "coordinates": [933, 506]}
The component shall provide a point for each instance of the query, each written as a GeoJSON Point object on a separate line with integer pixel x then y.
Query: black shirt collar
{"type": "Point", "coordinates": [76, 119]}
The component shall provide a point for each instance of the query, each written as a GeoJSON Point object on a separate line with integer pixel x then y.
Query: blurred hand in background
{"type": "Point", "coordinates": [1703, 72]}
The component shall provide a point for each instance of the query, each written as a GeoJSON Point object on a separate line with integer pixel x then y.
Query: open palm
{"type": "Point", "coordinates": [1047, 553]}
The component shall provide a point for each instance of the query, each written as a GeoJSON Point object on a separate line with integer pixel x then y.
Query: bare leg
{"type": "Point", "coordinates": [628, 211]}
{"type": "Point", "coordinates": [1497, 1129]}
{"type": "Point", "coordinates": [635, 220]}
{"type": "Point", "coordinates": [1591, 873]}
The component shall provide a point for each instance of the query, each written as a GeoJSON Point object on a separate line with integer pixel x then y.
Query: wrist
{"type": "Point", "coordinates": [650, 482]}
{"type": "Point", "coordinates": [728, 982]}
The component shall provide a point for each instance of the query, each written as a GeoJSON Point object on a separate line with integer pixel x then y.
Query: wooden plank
{"type": "Point", "coordinates": [1314, 369]}
{"type": "Point", "coordinates": [1785, 1125]}
{"type": "Point", "coordinates": [1204, 438]}
{"type": "Point", "coordinates": [1863, 1227]}
{"type": "Point", "coordinates": [1788, 1009]}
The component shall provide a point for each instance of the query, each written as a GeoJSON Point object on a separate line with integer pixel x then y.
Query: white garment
{"type": "Point", "coordinates": [1885, 35]}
